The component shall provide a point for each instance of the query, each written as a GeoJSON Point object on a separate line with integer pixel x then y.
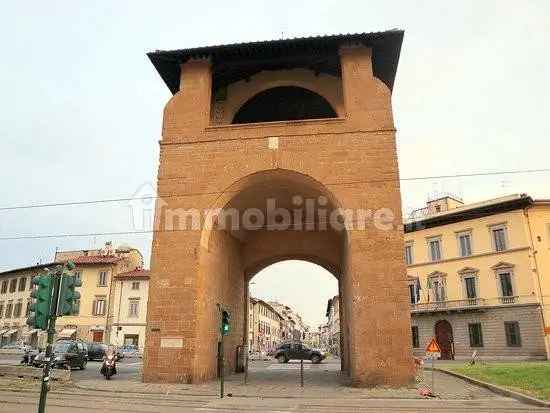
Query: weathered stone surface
{"type": "Point", "coordinates": [350, 160]}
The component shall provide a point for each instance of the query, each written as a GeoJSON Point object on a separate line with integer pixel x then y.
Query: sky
{"type": "Point", "coordinates": [81, 105]}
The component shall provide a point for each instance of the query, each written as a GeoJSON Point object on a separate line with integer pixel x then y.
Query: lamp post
{"type": "Point", "coordinates": [248, 331]}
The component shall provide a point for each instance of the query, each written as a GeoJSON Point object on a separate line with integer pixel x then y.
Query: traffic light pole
{"type": "Point", "coordinates": [51, 331]}
{"type": "Point", "coordinates": [222, 367]}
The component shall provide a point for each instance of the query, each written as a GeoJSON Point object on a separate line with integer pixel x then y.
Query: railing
{"type": "Point", "coordinates": [450, 305]}
{"type": "Point", "coordinates": [508, 300]}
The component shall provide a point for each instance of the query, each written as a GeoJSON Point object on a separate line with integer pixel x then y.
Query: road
{"type": "Point", "coordinates": [271, 387]}
{"type": "Point", "coordinates": [127, 368]}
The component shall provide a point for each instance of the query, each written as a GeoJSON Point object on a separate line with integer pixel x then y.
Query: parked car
{"type": "Point", "coordinates": [96, 351]}
{"type": "Point", "coordinates": [297, 351]}
{"type": "Point", "coordinates": [67, 354]}
{"type": "Point", "coordinates": [119, 353]}
{"type": "Point", "coordinates": [130, 350]}
{"type": "Point", "coordinates": [15, 347]}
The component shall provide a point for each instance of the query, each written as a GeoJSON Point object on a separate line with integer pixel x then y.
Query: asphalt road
{"type": "Point", "coordinates": [127, 367]}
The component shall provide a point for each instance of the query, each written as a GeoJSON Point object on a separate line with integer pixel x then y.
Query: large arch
{"type": "Point", "coordinates": [230, 257]}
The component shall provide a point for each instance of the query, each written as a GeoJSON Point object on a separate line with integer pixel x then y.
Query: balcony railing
{"type": "Point", "coordinates": [472, 303]}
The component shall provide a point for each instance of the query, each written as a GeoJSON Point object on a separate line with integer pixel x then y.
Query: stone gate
{"type": "Point", "coordinates": [272, 151]}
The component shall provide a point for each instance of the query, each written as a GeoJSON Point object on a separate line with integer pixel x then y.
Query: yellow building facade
{"type": "Point", "coordinates": [97, 269]}
{"type": "Point", "coordinates": [129, 316]}
{"type": "Point", "coordinates": [479, 277]}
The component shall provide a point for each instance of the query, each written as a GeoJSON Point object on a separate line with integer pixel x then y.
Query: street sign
{"type": "Point", "coordinates": [433, 350]}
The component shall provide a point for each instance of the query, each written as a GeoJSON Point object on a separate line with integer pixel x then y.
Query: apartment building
{"type": "Point", "coordinates": [129, 316]}
{"type": "Point", "coordinates": [15, 290]}
{"type": "Point", "coordinates": [94, 312]}
{"type": "Point", "coordinates": [332, 332]}
{"type": "Point", "coordinates": [294, 325]}
{"type": "Point", "coordinates": [266, 327]}
{"type": "Point", "coordinates": [479, 277]}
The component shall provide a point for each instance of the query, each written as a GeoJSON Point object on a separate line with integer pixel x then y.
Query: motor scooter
{"type": "Point", "coordinates": [28, 357]}
{"type": "Point", "coordinates": [108, 368]}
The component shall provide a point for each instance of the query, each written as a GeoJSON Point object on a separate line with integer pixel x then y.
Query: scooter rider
{"type": "Point", "coordinates": [108, 368]}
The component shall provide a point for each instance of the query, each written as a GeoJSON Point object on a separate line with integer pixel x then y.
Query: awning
{"type": "Point", "coordinates": [10, 332]}
{"type": "Point", "coordinates": [3, 331]}
{"type": "Point", "coordinates": [66, 333]}
{"type": "Point", "coordinates": [29, 332]}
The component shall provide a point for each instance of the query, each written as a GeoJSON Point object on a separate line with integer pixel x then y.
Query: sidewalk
{"type": "Point", "coordinates": [286, 384]}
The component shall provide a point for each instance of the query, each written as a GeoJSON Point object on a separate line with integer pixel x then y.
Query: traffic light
{"type": "Point", "coordinates": [40, 308]}
{"type": "Point", "coordinates": [225, 322]}
{"type": "Point", "coordinates": [67, 294]}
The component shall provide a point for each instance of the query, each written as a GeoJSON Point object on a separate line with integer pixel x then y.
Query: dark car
{"type": "Point", "coordinates": [96, 351]}
{"type": "Point", "coordinates": [297, 351]}
{"type": "Point", "coordinates": [67, 354]}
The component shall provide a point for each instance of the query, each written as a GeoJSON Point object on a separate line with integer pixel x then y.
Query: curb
{"type": "Point", "coordinates": [498, 389]}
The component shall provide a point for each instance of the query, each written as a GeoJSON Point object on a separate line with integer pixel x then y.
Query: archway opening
{"type": "Point", "coordinates": [284, 103]}
{"type": "Point", "coordinates": [293, 301]}
{"type": "Point", "coordinates": [268, 218]}
{"type": "Point", "coordinates": [293, 317]}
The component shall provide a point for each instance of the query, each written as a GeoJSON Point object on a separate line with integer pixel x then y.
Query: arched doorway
{"type": "Point", "coordinates": [444, 337]}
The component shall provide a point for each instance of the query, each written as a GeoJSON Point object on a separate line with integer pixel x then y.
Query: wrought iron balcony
{"type": "Point", "coordinates": [448, 305]}
{"type": "Point", "coordinates": [471, 303]}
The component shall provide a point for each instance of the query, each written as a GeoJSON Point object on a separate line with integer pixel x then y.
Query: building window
{"type": "Point", "coordinates": [465, 244]}
{"type": "Point", "coordinates": [505, 280]}
{"type": "Point", "coordinates": [4, 287]}
{"type": "Point", "coordinates": [1, 310]}
{"type": "Point", "coordinates": [513, 337]}
{"type": "Point", "coordinates": [131, 339]}
{"type": "Point", "coordinates": [133, 307]}
{"type": "Point", "coordinates": [135, 285]}
{"type": "Point", "coordinates": [13, 285]}
{"type": "Point", "coordinates": [476, 337]}
{"type": "Point", "coordinates": [414, 293]}
{"type": "Point", "coordinates": [470, 286]}
{"type": "Point", "coordinates": [17, 309]}
{"type": "Point", "coordinates": [98, 307]}
{"type": "Point", "coordinates": [9, 308]}
{"type": "Point", "coordinates": [28, 308]}
{"type": "Point", "coordinates": [499, 238]}
{"type": "Point", "coordinates": [102, 281]}
{"type": "Point", "coordinates": [434, 246]}
{"type": "Point", "coordinates": [78, 276]}
{"type": "Point", "coordinates": [22, 283]}
{"type": "Point", "coordinates": [415, 338]}
{"type": "Point", "coordinates": [437, 287]}
{"type": "Point", "coordinates": [76, 307]}
{"type": "Point", "coordinates": [408, 254]}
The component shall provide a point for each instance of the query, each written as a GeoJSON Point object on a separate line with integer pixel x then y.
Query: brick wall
{"type": "Point", "coordinates": [351, 160]}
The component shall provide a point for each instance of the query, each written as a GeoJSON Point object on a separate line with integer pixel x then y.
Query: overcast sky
{"type": "Point", "coordinates": [81, 105]}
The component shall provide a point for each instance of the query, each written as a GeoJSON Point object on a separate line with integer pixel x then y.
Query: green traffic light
{"type": "Point", "coordinates": [225, 322]}
{"type": "Point", "coordinates": [67, 294]}
{"type": "Point", "coordinates": [42, 298]}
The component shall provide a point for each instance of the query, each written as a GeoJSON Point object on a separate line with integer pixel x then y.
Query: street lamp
{"type": "Point", "coordinates": [248, 329]}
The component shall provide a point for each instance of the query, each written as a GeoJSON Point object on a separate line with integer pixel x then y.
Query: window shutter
{"type": "Point", "coordinates": [94, 307]}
